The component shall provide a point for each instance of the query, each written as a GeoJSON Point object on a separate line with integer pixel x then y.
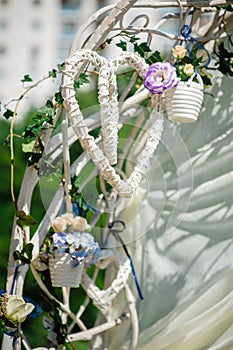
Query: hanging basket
{"type": "Point", "coordinates": [183, 102]}
{"type": "Point", "coordinates": [62, 273]}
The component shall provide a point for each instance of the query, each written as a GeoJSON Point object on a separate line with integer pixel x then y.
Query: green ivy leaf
{"type": "Point", "coordinates": [60, 66]}
{"type": "Point", "coordinates": [47, 110]}
{"type": "Point", "coordinates": [58, 98]}
{"type": "Point", "coordinates": [206, 81]}
{"type": "Point", "coordinates": [25, 256]}
{"type": "Point", "coordinates": [108, 41]}
{"type": "Point", "coordinates": [133, 39]}
{"type": "Point", "coordinates": [154, 57]}
{"type": "Point", "coordinates": [6, 142]}
{"type": "Point", "coordinates": [17, 255]}
{"type": "Point", "coordinates": [225, 7]}
{"type": "Point", "coordinates": [142, 48]}
{"type": "Point", "coordinates": [53, 73]}
{"type": "Point", "coordinates": [34, 158]}
{"type": "Point", "coordinates": [122, 45]}
{"type": "Point", "coordinates": [24, 219]}
{"type": "Point", "coordinates": [26, 78]}
{"type": "Point", "coordinates": [28, 147]}
{"type": "Point", "coordinates": [8, 113]}
{"type": "Point", "coordinates": [28, 250]}
{"type": "Point", "coordinates": [82, 79]}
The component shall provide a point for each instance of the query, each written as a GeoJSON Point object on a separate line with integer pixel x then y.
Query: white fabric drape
{"type": "Point", "coordinates": [179, 232]}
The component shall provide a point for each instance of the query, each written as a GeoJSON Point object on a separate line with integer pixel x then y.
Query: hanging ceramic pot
{"type": "Point", "coordinates": [62, 271]}
{"type": "Point", "coordinates": [183, 102]}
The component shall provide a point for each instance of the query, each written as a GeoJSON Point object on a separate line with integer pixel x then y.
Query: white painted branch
{"type": "Point", "coordinates": [87, 335]}
{"type": "Point", "coordinates": [108, 23]}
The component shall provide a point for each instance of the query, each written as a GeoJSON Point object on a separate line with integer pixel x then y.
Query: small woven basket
{"type": "Point", "coordinates": [183, 102]}
{"type": "Point", "coordinates": [62, 273]}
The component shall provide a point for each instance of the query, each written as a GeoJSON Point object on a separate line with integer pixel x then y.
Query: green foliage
{"type": "Point", "coordinates": [24, 220]}
{"type": "Point", "coordinates": [25, 255]}
{"type": "Point", "coordinates": [142, 48]}
{"type": "Point", "coordinates": [154, 57]}
{"type": "Point", "coordinates": [26, 78]}
{"type": "Point", "coordinates": [122, 45]}
{"type": "Point", "coordinates": [58, 98]}
{"type": "Point", "coordinates": [8, 113]}
{"type": "Point", "coordinates": [32, 135]}
{"type": "Point", "coordinates": [225, 60]}
{"type": "Point", "coordinates": [53, 73]}
{"type": "Point", "coordinates": [60, 66]}
{"type": "Point", "coordinates": [225, 7]}
{"type": "Point", "coordinates": [77, 198]}
{"type": "Point", "coordinates": [82, 79]}
{"type": "Point", "coordinates": [42, 121]}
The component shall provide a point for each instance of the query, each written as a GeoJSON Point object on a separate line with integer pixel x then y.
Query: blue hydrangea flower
{"type": "Point", "coordinates": [80, 245]}
{"type": "Point", "coordinates": [59, 241]}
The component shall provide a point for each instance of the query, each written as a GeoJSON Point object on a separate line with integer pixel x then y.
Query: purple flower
{"type": "Point", "coordinates": [159, 77]}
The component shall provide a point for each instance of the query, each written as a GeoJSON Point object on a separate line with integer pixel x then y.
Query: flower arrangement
{"type": "Point", "coordinates": [162, 76]}
{"type": "Point", "coordinates": [182, 81]}
{"type": "Point", "coordinates": [192, 62]}
{"type": "Point", "coordinates": [79, 244]}
{"type": "Point", "coordinates": [71, 248]}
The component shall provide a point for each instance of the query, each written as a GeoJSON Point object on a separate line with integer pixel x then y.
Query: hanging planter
{"type": "Point", "coordinates": [71, 251]}
{"type": "Point", "coordinates": [63, 273]}
{"type": "Point", "coordinates": [183, 102]}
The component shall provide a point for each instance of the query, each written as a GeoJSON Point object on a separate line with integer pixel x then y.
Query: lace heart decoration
{"type": "Point", "coordinates": [109, 116]}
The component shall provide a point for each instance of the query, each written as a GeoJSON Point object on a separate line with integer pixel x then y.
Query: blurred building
{"type": "Point", "coordinates": [35, 35]}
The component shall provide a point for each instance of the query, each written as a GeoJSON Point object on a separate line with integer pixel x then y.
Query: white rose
{"type": "Point", "coordinates": [17, 309]}
{"type": "Point", "coordinates": [59, 224]}
{"type": "Point", "coordinates": [79, 224]}
{"type": "Point", "coordinates": [68, 217]}
{"type": "Point", "coordinates": [188, 69]}
{"type": "Point", "coordinates": [179, 51]}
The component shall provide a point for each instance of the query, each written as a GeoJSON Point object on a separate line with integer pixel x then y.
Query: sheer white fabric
{"type": "Point", "coordinates": [184, 257]}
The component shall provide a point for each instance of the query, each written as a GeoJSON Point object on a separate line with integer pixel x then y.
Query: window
{"type": "Point", "coordinates": [36, 24]}
{"type": "Point", "coordinates": [34, 53]}
{"type": "Point", "coordinates": [36, 2]}
{"type": "Point", "coordinates": [71, 3]}
{"type": "Point", "coordinates": [3, 74]}
{"type": "Point", "coordinates": [69, 27]}
{"type": "Point", "coordinates": [34, 58]}
{"type": "Point", "coordinates": [3, 24]}
{"type": "Point", "coordinates": [2, 49]}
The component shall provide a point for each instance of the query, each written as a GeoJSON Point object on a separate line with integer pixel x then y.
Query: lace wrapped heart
{"type": "Point", "coordinates": [109, 117]}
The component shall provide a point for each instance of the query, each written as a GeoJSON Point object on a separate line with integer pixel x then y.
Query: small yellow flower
{"type": "Point", "coordinates": [188, 69]}
{"type": "Point", "coordinates": [179, 51]}
{"type": "Point", "coordinates": [231, 64]}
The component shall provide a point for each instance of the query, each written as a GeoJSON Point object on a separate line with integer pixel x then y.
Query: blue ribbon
{"type": "Point", "coordinates": [186, 33]}
{"type": "Point", "coordinates": [89, 207]}
{"type": "Point", "coordinates": [14, 279]}
{"type": "Point", "coordinates": [115, 232]}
